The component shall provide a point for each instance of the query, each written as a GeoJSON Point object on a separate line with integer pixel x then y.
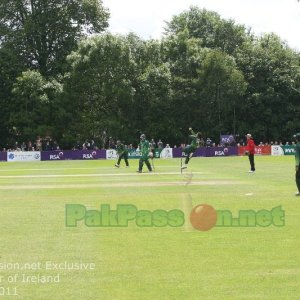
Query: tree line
{"type": "Point", "coordinates": [62, 75]}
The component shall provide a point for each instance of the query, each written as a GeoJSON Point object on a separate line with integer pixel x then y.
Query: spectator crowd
{"type": "Point", "coordinates": [49, 144]}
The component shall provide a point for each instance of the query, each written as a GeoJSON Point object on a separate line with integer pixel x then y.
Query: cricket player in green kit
{"type": "Point", "coordinates": [191, 148]}
{"type": "Point", "coordinates": [297, 158]}
{"type": "Point", "coordinates": [144, 146]}
{"type": "Point", "coordinates": [122, 153]}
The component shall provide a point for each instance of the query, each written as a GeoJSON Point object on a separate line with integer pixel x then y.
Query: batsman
{"type": "Point", "coordinates": [144, 146]}
{"type": "Point", "coordinates": [191, 148]}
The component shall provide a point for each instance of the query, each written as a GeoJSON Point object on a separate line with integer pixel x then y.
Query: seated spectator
{"type": "Point", "coordinates": [201, 142]}
{"type": "Point", "coordinates": [153, 144]}
{"type": "Point", "coordinates": [38, 144]}
{"type": "Point", "coordinates": [93, 145]}
{"type": "Point", "coordinates": [208, 142]}
{"type": "Point", "coordinates": [86, 145]}
{"type": "Point", "coordinates": [160, 144]}
{"type": "Point", "coordinates": [77, 146]}
{"type": "Point", "coordinates": [111, 143]}
{"type": "Point", "coordinates": [30, 147]}
{"type": "Point", "coordinates": [55, 146]}
{"type": "Point", "coordinates": [17, 147]}
{"type": "Point", "coordinates": [23, 147]}
{"type": "Point", "coordinates": [48, 146]}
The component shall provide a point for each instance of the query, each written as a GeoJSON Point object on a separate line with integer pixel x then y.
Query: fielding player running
{"type": "Point", "coordinates": [297, 158]}
{"type": "Point", "coordinates": [122, 153]}
{"type": "Point", "coordinates": [146, 154]}
{"type": "Point", "coordinates": [191, 148]}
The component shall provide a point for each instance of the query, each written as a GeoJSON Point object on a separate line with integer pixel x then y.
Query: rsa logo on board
{"type": "Point", "coordinates": [58, 156]}
{"type": "Point", "coordinates": [89, 155]}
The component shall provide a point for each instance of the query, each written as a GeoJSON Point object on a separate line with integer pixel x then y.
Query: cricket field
{"type": "Point", "coordinates": [50, 253]}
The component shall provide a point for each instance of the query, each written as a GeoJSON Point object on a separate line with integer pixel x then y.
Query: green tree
{"type": "Point", "coordinates": [211, 87]}
{"type": "Point", "coordinates": [98, 87]}
{"type": "Point", "coordinates": [209, 28]}
{"type": "Point", "coordinates": [151, 81]}
{"type": "Point", "coordinates": [38, 35]}
{"type": "Point", "coordinates": [183, 55]}
{"type": "Point", "coordinates": [271, 69]}
{"type": "Point", "coordinates": [43, 33]}
{"type": "Point", "coordinates": [9, 69]}
{"type": "Point", "coordinates": [33, 110]}
{"type": "Point", "coordinates": [207, 85]}
{"type": "Point", "coordinates": [221, 85]}
{"type": "Point", "coordinates": [118, 84]}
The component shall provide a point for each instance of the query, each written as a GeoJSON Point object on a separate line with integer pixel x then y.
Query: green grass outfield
{"type": "Point", "coordinates": [149, 262]}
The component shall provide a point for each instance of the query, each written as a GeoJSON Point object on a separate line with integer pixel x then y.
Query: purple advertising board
{"type": "Point", "coordinates": [177, 152]}
{"type": "Point", "coordinates": [3, 156]}
{"type": "Point", "coordinates": [200, 152]}
{"type": "Point", "coordinates": [221, 151]}
{"type": "Point", "coordinates": [101, 154]}
{"type": "Point", "coordinates": [209, 151]}
{"type": "Point", "coordinates": [73, 155]}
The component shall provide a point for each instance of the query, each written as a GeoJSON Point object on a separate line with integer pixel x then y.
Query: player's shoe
{"type": "Point", "coordinates": [297, 194]}
{"type": "Point", "coordinates": [138, 171]}
{"type": "Point", "coordinates": [117, 166]}
{"type": "Point", "coordinates": [183, 167]}
{"type": "Point", "coordinates": [251, 171]}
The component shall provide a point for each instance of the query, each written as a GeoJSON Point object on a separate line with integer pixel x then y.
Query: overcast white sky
{"type": "Point", "coordinates": [146, 17]}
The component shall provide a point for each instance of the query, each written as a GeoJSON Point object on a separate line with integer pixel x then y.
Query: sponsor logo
{"type": "Point", "coordinates": [89, 155]}
{"type": "Point", "coordinates": [289, 150]}
{"type": "Point", "coordinates": [56, 156]}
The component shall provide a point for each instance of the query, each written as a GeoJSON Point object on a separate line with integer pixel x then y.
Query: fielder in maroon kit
{"type": "Point", "coordinates": [250, 149]}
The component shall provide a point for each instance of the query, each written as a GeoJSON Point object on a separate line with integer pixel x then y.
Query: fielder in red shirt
{"type": "Point", "coordinates": [250, 150]}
